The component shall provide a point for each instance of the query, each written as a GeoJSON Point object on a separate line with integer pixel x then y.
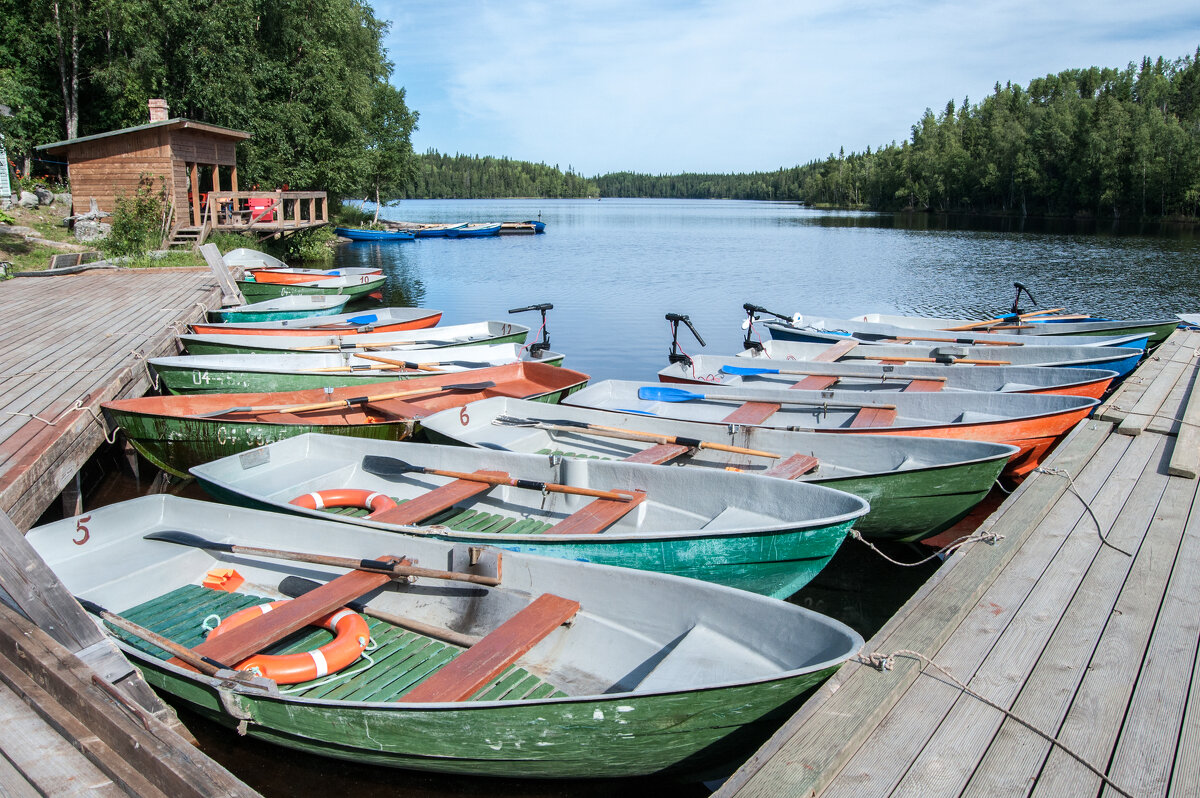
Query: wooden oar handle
{"type": "Point", "coordinates": [354, 400]}
{"type": "Point", "coordinates": [956, 340]}
{"type": "Point", "coordinates": [378, 566]}
{"type": "Point", "coordinates": [965, 360]}
{"type": "Point", "coordinates": [400, 363]}
{"type": "Point", "coordinates": [807, 402]}
{"type": "Point", "coordinates": [531, 484]}
{"type": "Point", "coordinates": [654, 437]}
{"type": "Point", "coordinates": [201, 663]}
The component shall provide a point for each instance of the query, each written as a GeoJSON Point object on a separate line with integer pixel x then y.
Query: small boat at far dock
{"type": "Point", "coordinates": [474, 230]}
{"type": "Point", "coordinates": [519, 228]}
{"type": "Point", "coordinates": [593, 672]}
{"type": "Point", "coordinates": [362, 234]}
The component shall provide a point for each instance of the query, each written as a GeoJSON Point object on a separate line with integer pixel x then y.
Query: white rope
{"type": "Point", "coordinates": [151, 373]}
{"type": "Point", "coordinates": [991, 538]}
{"type": "Point", "coordinates": [1059, 472]}
{"type": "Point", "coordinates": [74, 408]}
{"type": "Point", "coordinates": [882, 663]}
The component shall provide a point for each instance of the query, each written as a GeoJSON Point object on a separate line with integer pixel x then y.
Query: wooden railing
{"type": "Point", "coordinates": [264, 211]}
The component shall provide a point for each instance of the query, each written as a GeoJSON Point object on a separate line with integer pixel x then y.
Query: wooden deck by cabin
{"type": "Point", "coordinates": [70, 343]}
{"type": "Point", "coordinates": [1082, 621]}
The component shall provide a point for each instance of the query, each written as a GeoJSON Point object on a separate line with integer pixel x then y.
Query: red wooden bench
{"type": "Point", "coordinates": [435, 501]}
{"type": "Point", "coordinates": [597, 515]}
{"type": "Point", "coordinates": [464, 675]}
{"type": "Point", "coordinates": [795, 466]}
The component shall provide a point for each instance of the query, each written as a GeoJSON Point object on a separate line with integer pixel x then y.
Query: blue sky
{"type": "Point", "coordinates": [734, 85]}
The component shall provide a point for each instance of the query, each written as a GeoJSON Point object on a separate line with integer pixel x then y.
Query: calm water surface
{"type": "Point", "coordinates": [613, 268]}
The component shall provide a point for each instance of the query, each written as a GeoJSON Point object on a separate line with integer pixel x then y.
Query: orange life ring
{"type": "Point", "coordinates": [351, 636]}
{"type": "Point", "coordinates": [345, 497]}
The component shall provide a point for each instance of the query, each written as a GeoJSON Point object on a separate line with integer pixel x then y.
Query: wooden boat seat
{"type": "Point", "coordinates": [816, 383]}
{"type": "Point", "coordinates": [759, 412]}
{"type": "Point", "coordinates": [795, 466]}
{"type": "Point", "coordinates": [658, 454]}
{"type": "Point", "coordinates": [597, 516]}
{"type": "Point", "coordinates": [928, 386]}
{"type": "Point", "coordinates": [874, 417]}
{"type": "Point", "coordinates": [269, 628]}
{"type": "Point", "coordinates": [837, 351]}
{"type": "Point", "coordinates": [429, 504]}
{"type": "Point", "coordinates": [463, 676]}
{"type": "Point", "coordinates": [752, 413]}
{"type": "Point", "coordinates": [401, 658]}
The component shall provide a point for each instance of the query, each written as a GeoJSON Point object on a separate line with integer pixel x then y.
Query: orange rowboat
{"type": "Point", "coordinates": [290, 276]}
{"type": "Point", "coordinates": [372, 321]}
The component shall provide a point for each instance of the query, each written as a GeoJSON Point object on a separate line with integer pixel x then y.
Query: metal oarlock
{"type": "Point", "coordinates": [544, 344]}
{"type": "Point", "coordinates": [676, 354]}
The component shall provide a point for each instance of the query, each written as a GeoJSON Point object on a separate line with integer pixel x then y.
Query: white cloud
{"type": "Point", "coordinates": [734, 85]}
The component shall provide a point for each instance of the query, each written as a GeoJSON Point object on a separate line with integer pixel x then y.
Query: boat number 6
{"type": "Point", "coordinates": [463, 418]}
{"type": "Point", "coordinates": [81, 528]}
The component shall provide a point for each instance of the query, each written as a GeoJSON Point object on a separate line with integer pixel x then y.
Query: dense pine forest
{"type": "Point", "coordinates": [474, 177]}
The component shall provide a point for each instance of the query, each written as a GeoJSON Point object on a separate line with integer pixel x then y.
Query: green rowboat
{"type": "Point", "coordinates": [177, 432]}
{"type": "Point", "coordinates": [653, 674]}
{"type": "Point", "coordinates": [768, 536]}
{"type": "Point", "coordinates": [483, 332]}
{"type": "Point", "coordinates": [353, 287]}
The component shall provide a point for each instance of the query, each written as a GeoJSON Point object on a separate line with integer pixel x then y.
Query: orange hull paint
{"type": "Point", "coordinates": [416, 324]}
{"type": "Point", "coordinates": [286, 278]}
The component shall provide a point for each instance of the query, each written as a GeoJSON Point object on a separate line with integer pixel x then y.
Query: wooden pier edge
{"type": "Point", "coordinates": [940, 604]}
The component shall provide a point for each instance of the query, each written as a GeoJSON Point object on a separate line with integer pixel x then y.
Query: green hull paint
{"type": "Point", "coordinates": [189, 381]}
{"type": "Point", "coordinates": [258, 292]}
{"type": "Point", "coordinates": [246, 317]}
{"type": "Point", "coordinates": [199, 348]}
{"type": "Point", "coordinates": [622, 736]}
{"type": "Point", "coordinates": [175, 444]}
{"type": "Point", "coordinates": [774, 563]}
{"type": "Point", "coordinates": [1158, 333]}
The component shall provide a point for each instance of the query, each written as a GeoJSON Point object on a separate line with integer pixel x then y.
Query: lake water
{"type": "Point", "coordinates": [614, 268]}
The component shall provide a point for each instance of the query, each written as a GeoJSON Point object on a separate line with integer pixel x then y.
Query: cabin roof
{"type": "Point", "coordinates": [171, 124]}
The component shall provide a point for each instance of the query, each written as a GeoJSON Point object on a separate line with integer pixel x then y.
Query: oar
{"type": "Point", "coordinates": [750, 371]}
{"type": "Point", "coordinates": [355, 320]}
{"type": "Point", "coordinates": [415, 344]}
{"type": "Point", "coordinates": [962, 360]}
{"type": "Point", "coordinates": [625, 434]}
{"type": "Point", "coordinates": [203, 664]}
{"type": "Point", "coordinates": [389, 467]}
{"type": "Point", "coordinates": [988, 322]}
{"type": "Point", "coordinates": [374, 566]}
{"type": "Point", "coordinates": [294, 586]}
{"type": "Point", "coordinates": [429, 366]}
{"type": "Point", "coordinates": [954, 340]}
{"type": "Point", "coordinates": [354, 400]}
{"type": "Point", "coordinates": [656, 393]}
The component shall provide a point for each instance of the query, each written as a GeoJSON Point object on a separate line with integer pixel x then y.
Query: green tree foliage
{"type": "Point", "coordinates": [303, 76]}
{"type": "Point", "coordinates": [1103, 142]}
{"type": "Point", "coordinates": [137, 221]}
{"type": "Point", "coordinates": [475, 177]}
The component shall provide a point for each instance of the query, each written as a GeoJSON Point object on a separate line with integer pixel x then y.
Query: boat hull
{"type": "Point", "coordinates": [282, 309]}
{"type": "Point", "coordinates": [255, 291]}
{"type": "Point", "coordinates": [167, 431]}
{"type": "Point", "coordinates": [356, 234]}
{"type": "Point", "coordinates": [835, 330]}
{"type": "Point", "coordinates": [293, 276]}
{"type": "Point", "coordinates": [417, 321]}
{"type": "Point", "coordinates": [459, 335]}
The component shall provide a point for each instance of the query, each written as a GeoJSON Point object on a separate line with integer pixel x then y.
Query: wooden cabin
{"type": "Point", "coordinates": [196, 164]}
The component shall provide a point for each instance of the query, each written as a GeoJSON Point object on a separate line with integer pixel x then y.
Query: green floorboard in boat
{"type": "Point", "coordinates": [462, 520]}
{"type": "Point", "coordinates": [398, 660]}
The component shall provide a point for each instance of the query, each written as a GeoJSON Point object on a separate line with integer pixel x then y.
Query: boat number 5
{"type": "Point", "coordinates": [463, 418]}
{"type": "Point", "coordinates": [81, 528]}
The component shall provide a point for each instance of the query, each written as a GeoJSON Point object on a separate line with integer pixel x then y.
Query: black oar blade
{"type": "Point", "coordinates": [513, 421]}
{"type": "Point", "coordinates": [388, 467]}
{"type": "Point", "coordinates": [188, 539]}
{"type": "Point", "coordinates": [470, 386]}
{"type": "Point", "coordinates": [91, 606]}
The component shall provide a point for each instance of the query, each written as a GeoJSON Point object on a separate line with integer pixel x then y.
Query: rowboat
{"type": "Point", "coordinates": [885, 378]}
{"type": "Point", "coordinates": [1190, 319]}
{"type": "Point", "coordinates": [653, 674]}
{"type": "Point", "coordinates": [382, 320]}
{"type": "Point", "coordinates": [483, 332]}
{"type": "Point", "coordinates": [290, 276]}
{"type": "Point", "coordinates": [435, 230]}
{"type": "Point", "coordinates": [768, 536]}
{"type": "Point", "coordinates": [360, 234]}
{"type": "Point", "coordinates": [252, 259]}
{"type": "Point", "coordinates": [1156, 329]}
{"type": "Point", "coordinates": [916, 486]}
{"type": "Point", "coordinates": [1031, 422]}
{"type": "Point", "coordinates": [177, 432]}
{"type": "Point", "coordinates": [353, 286]}
{"type": "Point", "coordinates": [297, 372]}
{"type": "Point", "coordinates": [820, 329]}
{"type": "Point", "coordinates": [281, 309]}
{"type": "Point", "coordinates": [517, 228]}
{"type": "Point", "coordinates": [1120, 359]}
{"type": "Point", "coordinates": [473, 230]}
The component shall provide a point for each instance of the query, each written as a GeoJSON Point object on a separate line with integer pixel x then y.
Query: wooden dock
{"type": "Point", "coordinates": [1082, 621]}
{"type": "Point", "coordinates": [69, 343]}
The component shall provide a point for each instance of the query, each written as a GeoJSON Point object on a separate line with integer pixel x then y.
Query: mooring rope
{"type": "Point", "coordinates": [887, 662]}
{"type": "Point", "coordinates": [151, 373]}
{"type": "Point", "coordinates": [991, 538]}
{"type": "Point", "coordinates": [74, 408]}
{"type": "Point", "coordinates": [1059, 472]}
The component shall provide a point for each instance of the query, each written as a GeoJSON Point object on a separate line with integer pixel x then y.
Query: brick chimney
{"type": "Point", "coordinates": [159, 111]}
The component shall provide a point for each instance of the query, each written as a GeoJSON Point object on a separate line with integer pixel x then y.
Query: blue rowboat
{"type": "Point", "coordinates": [359, 234]}
{"type": "Point", "coordinates": [474, 230]}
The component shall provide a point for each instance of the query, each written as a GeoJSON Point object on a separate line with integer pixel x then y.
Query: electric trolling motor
{"type": "Point", "coordinates": [1016, 310]}
{"type": "Point", "coordinates": [543, 345]}
{"type": "Point", "coordinates": [752, 311]}
{"type": "Point", "coordinates": [675, 355]}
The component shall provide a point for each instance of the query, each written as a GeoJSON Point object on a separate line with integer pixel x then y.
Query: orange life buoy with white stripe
{"type": "Point", "coordinates": [351, 636]}
{"type": "Point", "coordinates": [345, 497]}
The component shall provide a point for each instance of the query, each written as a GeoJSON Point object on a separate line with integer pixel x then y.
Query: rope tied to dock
{"type": "Point", "coordinates": [887, 662]}
{"type": "Point", "coordinates": [1059, 472]}
{"type": "Point", "coordinates": [73, 409]}
{"type": "Point", "coordinates": [991, 538]}
{"type": "Point", "coordinates": [151, 373]}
